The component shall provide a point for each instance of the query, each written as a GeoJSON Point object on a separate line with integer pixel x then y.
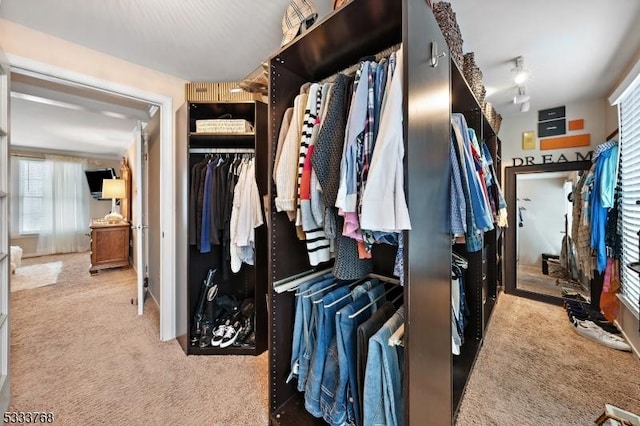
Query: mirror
{"type": "Point", "coordinates": [541, 259]}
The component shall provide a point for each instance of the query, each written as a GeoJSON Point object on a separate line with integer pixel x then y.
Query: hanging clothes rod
{"type": "Point", "coordinates": [384, 278]}
{"type": "Point", "coordinates": [350, 70]}
{"type": "Point", "coordinates": [290, 283]}
{"type": "Point", "coordinates": [221, 150]}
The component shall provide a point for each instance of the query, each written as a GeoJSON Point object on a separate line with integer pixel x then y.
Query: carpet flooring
{"type": "Point", "coordinates": [533, 369]}
{"type": "Point", "coordinates": [79, 350]}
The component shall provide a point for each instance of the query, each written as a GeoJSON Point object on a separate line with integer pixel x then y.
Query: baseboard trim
{"type": "Point", "coordinates": [635, 350]}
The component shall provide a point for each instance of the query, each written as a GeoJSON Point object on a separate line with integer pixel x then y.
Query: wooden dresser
{"type": "Point", "coordinates": [109, 245]}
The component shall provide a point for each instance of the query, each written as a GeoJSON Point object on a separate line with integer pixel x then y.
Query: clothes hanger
{"type": "Point", "coordinates": [396, 337]}
{"type": "Point", "coordinates": [459, 260]}
{"type": "Point", "coordinates": [322, 290]}
{"type": "Point", "coordinates": [364, 308]}
{"type": "Point", "coordinates": [343, 297]}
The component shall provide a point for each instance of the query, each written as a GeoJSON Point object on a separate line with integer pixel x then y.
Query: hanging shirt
{"type": "Point", "coordinates": [603, 193]}
{"type": "Point", "coordinates": [384, 207]}
{"type": "Point", "coordinates": [286, 173]}
{"type": "Point", "coordinates": [458, 203]}
{"type": "Point", "coordinates": [481, 212]}
{"type": "Point", "coordinates": [347, 201]}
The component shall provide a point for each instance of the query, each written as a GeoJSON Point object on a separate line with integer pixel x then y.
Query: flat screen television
{"type": "Point", "coordinates": [94, 179]}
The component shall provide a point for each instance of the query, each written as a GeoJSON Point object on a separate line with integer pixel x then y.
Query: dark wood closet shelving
{"type": "Point", "coordinates": [250, 281]}
{"type": "Point", "coordinates": [434, 380]}
{"type": "Point", "coordinates": [244, 135]}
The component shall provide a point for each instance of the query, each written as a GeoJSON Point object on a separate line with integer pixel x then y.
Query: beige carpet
{"type": "Point", "coordinates": [79, 351]}
{"type": "Point", "coordinates": [535, 370]}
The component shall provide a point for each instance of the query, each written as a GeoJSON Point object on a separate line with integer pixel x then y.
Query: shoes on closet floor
{"type": "Point", "coordinates": [606, 326]}
{"type": "Point", "coordinates": [205, 334]}
{"type": "Point", "coordinates": [230, 334]}
{"type": "Point", "coordinates": [598, 335]}
{"type": "Point", "coordinates": [573, 295]}
{"type": "Point", "coordinates": [219, 333]}
{"type": "Point", "coordinates": [585, 312]}
{"type": "Point", "coordinates": [245, 331]}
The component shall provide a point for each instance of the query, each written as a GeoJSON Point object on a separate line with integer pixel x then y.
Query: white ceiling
{"type": "Point", "coordinates": [574, 49]}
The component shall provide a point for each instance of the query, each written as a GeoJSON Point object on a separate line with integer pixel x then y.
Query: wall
{"type": "Point", "coordinates": [97, 208]}
{"type": "Point", "coordinates": [629, 324]}
{"type": "Point", "coordinates": [543, 218]}
{"type": "Point", "coordinates": [28, 43]}
{"type": "Point", "coordinates": [594, 113]}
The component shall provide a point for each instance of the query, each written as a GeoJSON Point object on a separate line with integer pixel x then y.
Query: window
{"type": "Point", "coordinates": [30, 185]}
{"type": "Point", "coordinates": [629, 108]}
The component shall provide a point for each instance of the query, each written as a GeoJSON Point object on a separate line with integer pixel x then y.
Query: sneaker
{"type": "Point", "coordinates": [219, 333]}
{"type": "Point", "coordinates": [230, 335]}
{"type": "Point", "coordinates": [247, 329]}
{"type": "Point", "coordinates": [598, 335]}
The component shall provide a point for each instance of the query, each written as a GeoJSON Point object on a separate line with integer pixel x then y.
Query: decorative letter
{"type": "Point", "coordinates": [588, 157]}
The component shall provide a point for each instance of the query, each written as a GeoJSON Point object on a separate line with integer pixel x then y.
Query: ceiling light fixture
{"type": "Point", "coordinates": [521, 97]}
{"type": "Point", "coordinates": [524, 107]}
{"type": "Point", "coordinates": [521, 74]}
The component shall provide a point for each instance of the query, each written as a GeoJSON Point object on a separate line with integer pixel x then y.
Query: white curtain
{"type": "Point", "coordinates": [65, 217]}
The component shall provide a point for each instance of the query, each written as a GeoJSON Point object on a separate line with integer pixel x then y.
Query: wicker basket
{"type": "Point", "coordinates": [497, 123]}
{"type": "Point", "coordinates": [223, 126]}
{"type": "Point", "coordinates": [473, 75]}
{"type": "Point", "coordinates": [446, 18]}
{"type": "Point", "coordinates": [489, 112]}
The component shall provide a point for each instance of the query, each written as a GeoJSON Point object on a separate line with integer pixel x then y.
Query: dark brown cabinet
{"type": "Point", "coordinates": [109, 245]}
{"type": "Point", "coordinates": [251, 280]}
{"type": "Point", "coordinates": [433, 88]}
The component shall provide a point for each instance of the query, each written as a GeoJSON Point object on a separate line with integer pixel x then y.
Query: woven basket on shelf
{"type": "Point", "coordinates": [446, 18]}
{"type": "Point", "coordinates": [497, 123]}
{"type": "Point", "coordinates": [489, 112]}
{"type": "Point", "coordinates": [473, 75]}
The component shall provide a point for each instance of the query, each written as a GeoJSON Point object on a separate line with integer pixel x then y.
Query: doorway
{"type": "Point", "coordinates": [98, 128]}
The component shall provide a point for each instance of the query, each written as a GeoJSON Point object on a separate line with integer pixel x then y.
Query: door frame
{"type": "Point", "coordinates": [167, 169]}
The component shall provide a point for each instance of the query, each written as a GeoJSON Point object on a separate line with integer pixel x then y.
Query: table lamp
{"type": "Point", "coordinates": [113, 188]}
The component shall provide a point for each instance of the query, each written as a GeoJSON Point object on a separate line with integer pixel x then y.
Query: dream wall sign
{"type": "Point", "coordinates": [531, 160]}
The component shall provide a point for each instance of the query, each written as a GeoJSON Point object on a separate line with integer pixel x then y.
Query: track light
{"type": "Point", "coordinates": [524, 107]}
{"type": "Point", "coordinates": [521, 97]}
{"type": "Point", "coordinates": [521, 74]}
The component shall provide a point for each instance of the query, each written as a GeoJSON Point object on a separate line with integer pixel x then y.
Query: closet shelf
{"type": "Point", "coordinates": [293, 412]}
{"type": "Point", "coordinates": [231, 350]}
{"type": "Point", "coordinates": [463, 99]}
{"type": "Point", "coordinates": [244, 135]}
